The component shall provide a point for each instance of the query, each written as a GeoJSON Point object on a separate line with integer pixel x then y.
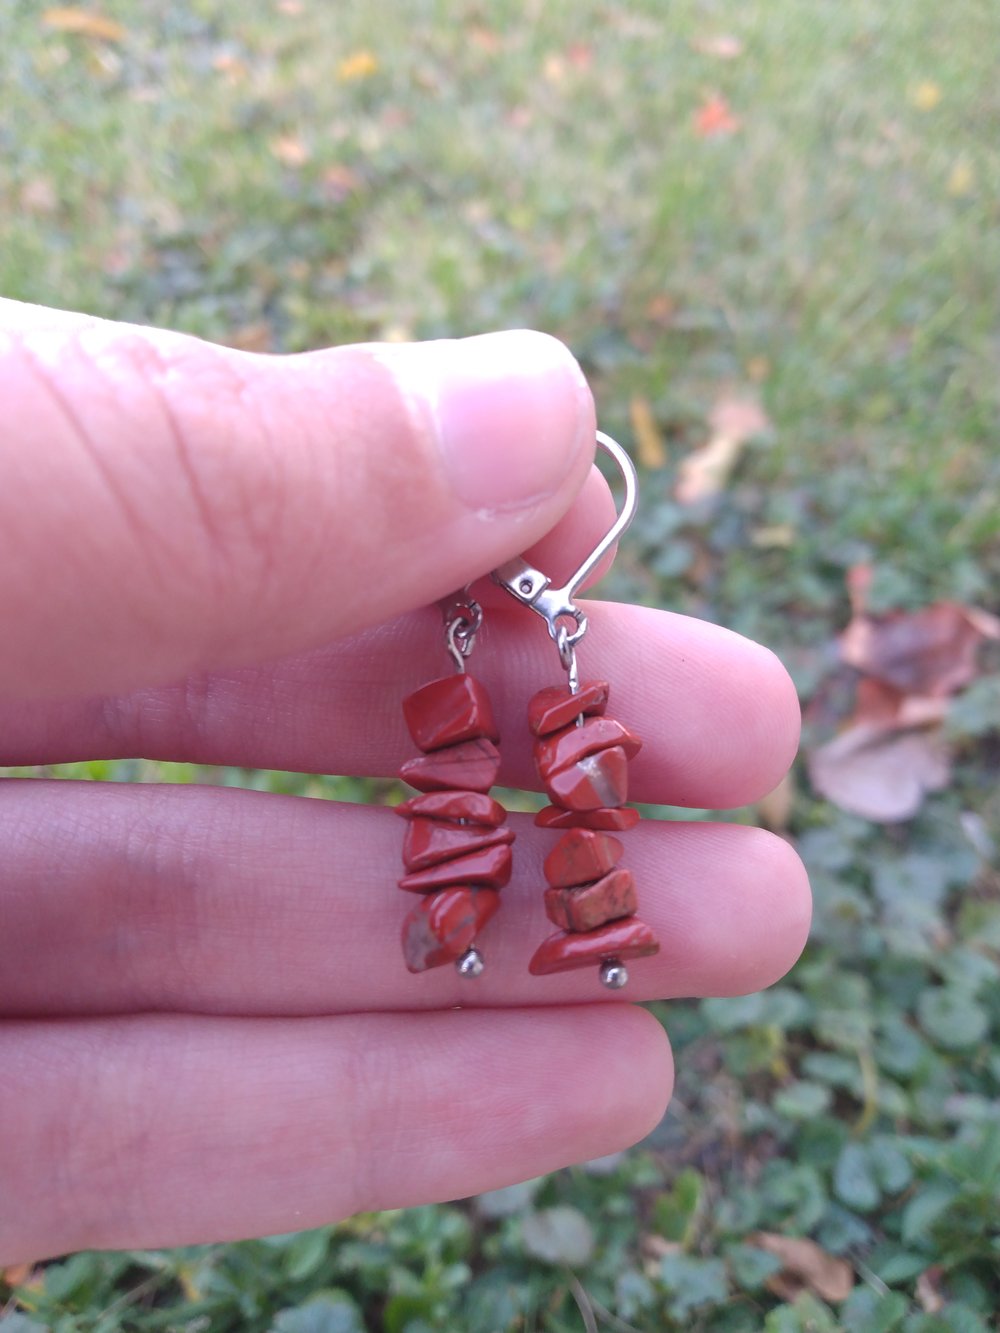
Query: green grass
{"type": "Point", "coordinates": [841, 250]}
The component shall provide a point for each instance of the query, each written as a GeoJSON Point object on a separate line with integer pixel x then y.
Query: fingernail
{"type": "Point", "coordinates": [512, 412]}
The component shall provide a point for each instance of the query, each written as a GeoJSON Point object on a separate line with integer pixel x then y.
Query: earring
{"type": "Point", "coordinates": [581, 757]}
{"type": "Point", "coordinates": [456, 851]}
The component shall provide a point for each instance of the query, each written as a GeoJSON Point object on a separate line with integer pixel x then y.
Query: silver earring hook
{"type": "Point", "coordinates": [555, 605]}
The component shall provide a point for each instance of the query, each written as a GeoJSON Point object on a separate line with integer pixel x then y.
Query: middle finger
{"type": "Point", "coordinates": [119, 898]}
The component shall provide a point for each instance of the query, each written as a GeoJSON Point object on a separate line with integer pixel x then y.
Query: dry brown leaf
{"type": "Point", "coordinates": [723, 46]}
{"type": "Point", "coordinates": [714, 119]}
{"type": "Point", "coordinates": [879, 771]}
{"type": "Point", "coordinates": [776, 807]}
{"type": "Point", "coordinates": [928, 1290]}
{"type": "Point", "coordinates": [255, 337]}
{"type": "Point", "coordinates": [826, 1276]}
{"type": "Point", "coordinates": [734, 420]}
{"type": "Point", "coordinates": [339, 181]}
{"type": "Point", "coordinates": [22, 1275]}
{"type": "Point", "coordinates": [38, 195]}
{"type": "Point", "coordinates": [289, 150]}
{"type": "Point", "coordinates": [83, 23]}
{"type": "Point", "coordinates": [652, 453]}
{"type": "Point", "coordinates": [927, 652]}
{"type": "Point", "coordinates": [360, 65]}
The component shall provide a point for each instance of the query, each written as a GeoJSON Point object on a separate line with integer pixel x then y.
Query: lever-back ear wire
{"type": "Point", "coordinates": [533, 588]}
{"type": "Point", "coordinates": [581, 758]}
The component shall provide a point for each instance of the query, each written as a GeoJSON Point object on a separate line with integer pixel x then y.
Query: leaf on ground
{"type": "Point", "coordinates": [775, 809]}
{"type": "Point", "coordinates": [928, 1290]}
{"type": "Point", "coordinates": [359, 65]}
{"type": "Point", "coordinates": [879, 772]}
{"type": "Point", "coordinates": [560, 1235]}
{"type": "Point", "coordinates": [928, 652]}
{"type": "Point", "coordinates": [339, 182]}
{"type": "Point", "coordinates": [22, 1275]}
{"type": "Point", "coordinates": [722, 46]}
{"type": "Point", "coordinates": [83, 23]}
{"type": "Point", "coordinates": [926, 95]}
{"type": "Point", "coordinates": [39, 196]}
{"type": "Point", "coordinates": [652, 453]}
{"type": "Point", "coordinates": [735, 419]}
{"type": "Point", "coordinates": [289, 150]}
{"type": "Point", "coordinates": [714, 118]}
{"type": "Point", "coordinates": [805, 1265]}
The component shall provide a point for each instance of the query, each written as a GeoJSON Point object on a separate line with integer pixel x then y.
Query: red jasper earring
{"type": "Point", "coordinates": [456, 851]}
{"type": "Point", "coordinates": [581, 757]}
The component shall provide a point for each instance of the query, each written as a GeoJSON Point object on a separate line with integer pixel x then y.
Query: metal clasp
{"type": "Point", "coordinates": [555, 605]}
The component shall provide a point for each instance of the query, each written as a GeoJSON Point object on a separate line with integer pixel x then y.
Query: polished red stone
{"type": "Point", "coordinates": [442, 925]}
{"type": "Point", "coordinates": [581, 855]}
{"type": "Point", "coordinates": [596, 780]}
{"type": "Point", "coordinates": [447, 711]}
{"type": "Point", "coordinates": [554, 707]}
{"type": "Point", "coordinates": [573, 743]}
{"type": "Point", "coordinates": [473, 806]}
{"type": "Point", "coordinates": [591, 905]}
{"type": "Point", "coordinates": [628, 938]}
{"type": "Point", "coordinates": [490, 866]}
{"type": "Point", "coordinates": [428, 841]}
{"type": "Point", "coordinates": [472, 766]}
{"type": "Point", "coordinates": [554, 816]}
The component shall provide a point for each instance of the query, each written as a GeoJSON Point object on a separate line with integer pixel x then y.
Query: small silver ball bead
{"type": "Point", "coordinates": [614, 974]}
{"type": "Point", "coordinates": [470, 964]}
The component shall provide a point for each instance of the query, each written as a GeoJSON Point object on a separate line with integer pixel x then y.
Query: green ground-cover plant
{"type": "Point", "coordinates": [284, 174]}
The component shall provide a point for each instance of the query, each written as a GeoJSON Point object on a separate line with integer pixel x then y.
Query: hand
{"type": "Point", "coordinates": [206, 1029]}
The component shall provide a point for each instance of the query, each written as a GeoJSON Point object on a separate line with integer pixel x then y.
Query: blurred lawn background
{"type": "Point", "coordinates": [793, 206]}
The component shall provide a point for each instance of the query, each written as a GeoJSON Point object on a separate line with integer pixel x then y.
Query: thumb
{"type": "Point", "coordinates": [170, 505]}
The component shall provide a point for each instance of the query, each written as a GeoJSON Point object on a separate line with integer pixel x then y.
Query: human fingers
{"type": "Point", "coordinates": [170, 505]}
{"type": "Point", "coordinates": [161, 1131]}
{"type": "Point", "coordinates": [717, 713]}
{"type": "Point", "coordinates": [119, 898]}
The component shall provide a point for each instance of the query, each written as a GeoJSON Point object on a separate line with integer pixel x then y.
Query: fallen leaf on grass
{"type": "Point", "coordinates": [359, 65]}
{"type": "Point", "coordinates": [805, 1264]}
{"type": "Point", "coordinates": [652, 453]}
{"type": "Point", "coordinates": [723, 46]}
{"type": "Point", "coordinates": [926, 95]}
{"type": "Point", "coordinates": [39, 196]}
{"type": "Point", "coordinates": [734, 420]}
{"type": "Point", "coordinates": [928, 1290]}
{"type": "Point", "coordinates": [83, 23]}
{"type": "Point", "coordinates": [880, 772]}
{"type": "Point", "coordinates": [775, 809]}
{"type": "Point", "coordinates": [289, 150]}
{"type": "Point", "coordinates": [339, 182]}
{"type": "Point", "coordinates": [961, 179]}
{"type": "Point", "coordinates": [927, 652]}
{"type": "Point", "coordinates": [714, 118]}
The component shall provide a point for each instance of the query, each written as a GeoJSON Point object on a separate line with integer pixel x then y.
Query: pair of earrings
{"type": "Point", "coordinates": [457, 850]}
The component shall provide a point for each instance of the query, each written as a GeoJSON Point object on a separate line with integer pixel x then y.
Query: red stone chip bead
{"type": "Point", "coordinates": [563, 748]}
{"type": "Point", "coordinates": [581, 855]}
{"type": "Point", "coordinates": [474, 807]}
{"type": "Point", "coordinates": [428, 841]}
{"type": "Point", "coordinates": [554, 816]}
{"type": "Point", "coordinates": [582, 757]}
{"type": "Point", "coordinates": [591, 905]}
{"type": "Point", "coordinates": [555, 707]}
{"type": "Point", "coordinates": [490, 866]}
{"type": "Point", "coordinates": [455, 850]}
{"type": "Point", "coordinates": [450, 710]}
{"type": "Point", "coordinates": [471, 766]}
{"type": "Point", "coordinates": [594, 781]}
{"type": "Point", "coordinates": [443, 925]}
{"type": "Point", "coordinates": [563, 952]}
